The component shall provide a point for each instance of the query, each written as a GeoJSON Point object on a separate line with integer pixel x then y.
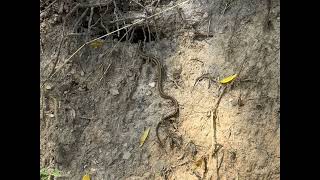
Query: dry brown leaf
{"type": "Point", "coordinates": [199, 162]}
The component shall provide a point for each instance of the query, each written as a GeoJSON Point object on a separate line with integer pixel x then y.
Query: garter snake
{"type": "Point", "coordinates": [162, 94]}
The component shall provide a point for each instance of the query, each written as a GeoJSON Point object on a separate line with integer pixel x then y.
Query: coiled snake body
{"type": "Point", "coordinates": [162, 94]}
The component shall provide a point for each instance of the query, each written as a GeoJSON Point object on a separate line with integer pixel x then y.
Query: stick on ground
{"type": "Point", "coordinates": [129, 25]}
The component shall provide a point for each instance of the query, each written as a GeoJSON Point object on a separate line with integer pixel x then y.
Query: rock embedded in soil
{"type": "Point", "coordinates": [114, 91]}
{"type": "Point", "coordinates": [234, 102]}
{"type": "Point", "coordinates": [81, 73]}
{"type": "Point", "coordinates": [48, 87]}
{"type": "Point", "coordinates": [51, 115]}
{"type": "Point", "coordinates": [152, 84]}
{"type": "Point", "coordinates": [126, 155]}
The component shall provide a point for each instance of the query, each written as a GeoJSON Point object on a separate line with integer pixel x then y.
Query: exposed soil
{"type": "Point", "coordinates": [95, 107]}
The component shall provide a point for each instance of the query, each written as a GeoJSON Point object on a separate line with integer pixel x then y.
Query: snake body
{"type": "Point", "coordinates": [162, 94]}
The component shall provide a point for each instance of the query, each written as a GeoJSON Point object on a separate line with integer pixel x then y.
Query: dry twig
{"type": "Point", "coordinates": [42, 94]}
{"type": "Point", "coordinates": [79, 20]}
{"type": "Point", "coordinates": [105, 72]}
{"type": "Point", "coordinates": [115, 13]}
{"type": "Point", "coordinates": [129, 25]}
{"type": "Point", "coordinates": [58, 54]}
{"type": "Point", "coordinates": [49, 6]}
{"type": "Point", "coordinates": [89, 23]}
{"type": "Point", "coordinates": [95, 5]}
{"type": "Point", "coordinates": [139, 4]}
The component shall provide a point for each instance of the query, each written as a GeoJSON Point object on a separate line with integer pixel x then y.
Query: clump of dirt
{"type": "Point", "coordinates": [98, 97]}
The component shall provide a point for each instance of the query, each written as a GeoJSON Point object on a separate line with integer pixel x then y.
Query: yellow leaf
{"type": "Point", "coordinates": [228, 79]}
{"type": "Point", "coordinates": [144, 136]}
{"type": "Point", "coordinates": [199, 162]}
{"type": "Point", "coordinates": [97, 43]}
{"type": "Point", "coordinates": [86, 177]}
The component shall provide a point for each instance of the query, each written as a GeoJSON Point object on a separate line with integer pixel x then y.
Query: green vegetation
{"type": "Point", "coordinates": [47, 174]}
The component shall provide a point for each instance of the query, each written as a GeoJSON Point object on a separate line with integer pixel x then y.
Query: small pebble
{"type": "Point", "coordinates": [48, 87]}
{"type": "Point", "coordinates": [93, 169]}
{"type": "Point", "coordinates": [114, 91]}
{"type": "Point", "coordinates": [126, 155]}
{"type": "Point", "coordinates": [208, 114]}
{"type": "Point", "coordinates": [73, 113]}
{"type": "Point", "coordinates": [234, 102]}
{"type": "Point", "coordinates": [51, 115]}
{"type": "Point", "coordinates": [43, 14]}
{"type": "Point", "coordinates": [56, 18]}
{"type": "Point", "coordinates": [152, 84]}
{"type": "Point", "coordinates": [148, 93]}
{"type": "Point", "coordinates": [192, 34]}
{"type": "Point", "coordinates": [205, 15]}
{"type": "Point", "coordinates": [73, 71]}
